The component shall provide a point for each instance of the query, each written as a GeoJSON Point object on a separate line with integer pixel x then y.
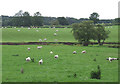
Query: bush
{"type": "Point", "coordinates": [96, 74]}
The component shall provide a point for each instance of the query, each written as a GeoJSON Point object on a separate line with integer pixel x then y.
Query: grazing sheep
{"type": "Point", "coordinates": [39, 47]}
{"type": "Point", "coordinates": [56, 56]}
{"type": "Point", "coordinates": [51, 52]}
{"type": "Point", "coordinates": [18, 30]}
{"type": "Point", "coordinates": [41, 61]}
{"type": "Point", "coordinates": [84, 51]}
{"type": "Point", "coordinates": [56, 40]}
{"type": "Point", "coordinates": [28, 48]}
{"type": "Point", "coordinates": [28, 27]}
{"type": "Point", "coordinates": [55, 34]}
{"type": "Point", "coordinates": [56, 30]}
{"type": "Point", "coordinates": [110, 59]}
{"type": "Point", "coordinates": [74, 52]}
{"type": "Point", "coordinates": [28, 59]}
{"type": "Point", "coordinates": [40, 39]}
{"type": "Point", "coordinates": [45, 39]}
{"type": "Point", "coordinates": [37, 30]}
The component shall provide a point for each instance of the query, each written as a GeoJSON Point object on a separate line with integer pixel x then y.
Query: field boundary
{"type": "Point", "coordinates": [48, 43]}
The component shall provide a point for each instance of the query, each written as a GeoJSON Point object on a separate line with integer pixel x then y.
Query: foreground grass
{"type": "Point", "coordinates": [63, 35]}
{"type": "Point", "coordinates": [61, 69]}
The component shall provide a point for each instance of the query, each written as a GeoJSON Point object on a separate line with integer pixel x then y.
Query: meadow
{"type": "Point", "coordinates": [33, 35]}
{"type": "Point", "coordinates": [61, 69]}
{"type": "Point", "coordinates": [56, 70]}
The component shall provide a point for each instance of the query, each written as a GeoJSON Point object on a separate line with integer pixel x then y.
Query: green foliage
{"type": "Point", "coordinates": [96, 74]}
{"type": "Point", "coordinates": [95, 17]}
{"type": "Point", "coordinates": [37, 14]}
{"type": "Point", "coordinates": [83, 32]}
{"type": "Point", "coordinates": [56, 22]}
{"type": "Point", "coordinates": [117, 21]}
{"type": "Point", "coordinates": [26, 19]}
{"type": "Point", "coordinates": [62, 21]}
{"type": "Point", "coordinates": [86, 31]}
{"type": "Point", "coordinates": [37, 19]}
{"type": "Point", "coordinates": [101, 34]}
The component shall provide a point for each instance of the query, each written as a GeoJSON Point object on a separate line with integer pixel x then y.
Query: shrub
{"type": "Point", "coordinates": [96, 74]}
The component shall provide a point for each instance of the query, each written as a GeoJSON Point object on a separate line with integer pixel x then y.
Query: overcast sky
{"type": "Point", "coordinates": [107, 9]}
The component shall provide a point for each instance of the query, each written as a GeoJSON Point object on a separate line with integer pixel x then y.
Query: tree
{"type": "Point", "coordinates": [56, 22]}
{"type": "Point", "coordinates": [117, 21]}
{"type": "Point", "coordinates": [101, 34]}
{"type": "Point", "coordinates": [21, 19]}
{"type": "Point", "coordinates": [83, 32]}
{"type": "Point", "coordinates": [62, 21]}
{"type": "Point", "coordinates": [37, 14]}
{"type": "Point", "coordinates": [17, 19]}
{"type": "Point", "coordinates": [26, 19]}
{"type": "Point", "coordinates": [95, 17]}
{"type": "Point", "coordinates": [37, 19]}
{"type": "Point", "coordinates": [20, 13]}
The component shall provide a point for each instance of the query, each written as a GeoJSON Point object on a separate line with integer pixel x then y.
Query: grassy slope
{"type": "Point", "coordinates": [64, 35]}
{"type": "Point", "coordinates": [25, 35]}
{"type": "Point", "coordinates": [61, 69]}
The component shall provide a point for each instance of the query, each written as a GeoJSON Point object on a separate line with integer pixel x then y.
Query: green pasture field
{"type": "Point", "coordinates": [57, 70]}
{"type": "Point", "coordinates": [63, 35]}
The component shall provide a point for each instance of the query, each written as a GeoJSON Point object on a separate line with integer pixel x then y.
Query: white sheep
{"type": "Point", "coordinates": [40, 39]}
{"type": "Point", "coordinates": [74, 52]}
{"type": "Point", "coordinates": [18, 30]}
{"type": "Point", "coordinates": [56, 30]}
{"type": "Point", "coordinates": [45, 39]}
{"type": "Point", "coordinates": [39, 47]}
{"type": "Point", "coordinates": [41, 61]}
{"type": "Point", "coordinates": [51, 52]}
{"type": "Point", "coordinates": [37, 30]}
{"type": "Point", "coordinates": [84, 51]}
{"type": "Point", "coordinates": [55, 34]}
{"type": "Point", "coordinates": [28, 48]}
{"type": "Point", "coordinates": [56, 56]}
{"type": "Point", "coordinates": [110, 59]}
{"type": "Point", "coordinates": [28, 27]}
{"type": "Point", "coordinates": [28, 59]}
{"type": "Point", "coordinates": [56, 40]}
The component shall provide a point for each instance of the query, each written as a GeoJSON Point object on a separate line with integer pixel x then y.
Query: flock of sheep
{"type": "Point", "coordinates": [51, 52]}
{"type": "Point", "coordinates": [74, 52]}
{"type": "Point", "coordinates": [56, 56]}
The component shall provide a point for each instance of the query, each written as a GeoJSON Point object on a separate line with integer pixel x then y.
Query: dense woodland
{"type": "Point", "coordinates": [25, 19]}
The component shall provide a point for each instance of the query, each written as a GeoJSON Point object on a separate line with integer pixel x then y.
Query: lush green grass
{"type": "Point", "coordinates": [113, 36]}
{"type": "Point", "coordinates": [64, 35]}
{"type": "Point", "coordinates": [25, 35]}
{"type": "Point", "coordinates": [61, 69]}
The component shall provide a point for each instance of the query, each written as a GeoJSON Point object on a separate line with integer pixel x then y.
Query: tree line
{"type": "Point", "coordinates": [25, 19]}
